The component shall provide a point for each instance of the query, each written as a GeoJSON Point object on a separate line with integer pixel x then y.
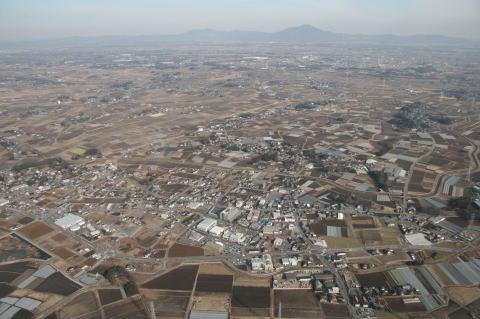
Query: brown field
{"type": "Point", "coordinates": [14, 248]}
{"type": "Point", "coordinates": [146, 238]}
{"type": "Point", "coordinates": [5, 290]}
{"type": "Point", "coordinates": [214, 269]}
{"type": "Point", "coordinates": [370, 236]}
{"type": "Point", "coordinates": [58, 284]}
{"type": "Point", "coordinates": [25, 220]}
{"type": "Point", "coordinates": [297, 303]}
{"type": "Point", "coordinates": [8, 277]}
{"type": "Point", "coordinates": [62, 252]}
{"type": "Point", "coordinates": [181, 278]}
{"type": "Point", "coordinates": [35, 230]}
{"type": "Point", "coordinates": [397, 305]}
{"type": "Point", "coordinates": [362, 222]}
{"type": "Point", "coordinates": [169, 304]}
{"type": "Point", "coordinates": [80, 305]}
{"type": "Point", "coordinates": [180, 250]}
{"type": "Point", "coordinates": [159, 254]}
{"type": "Point", "coordinates": [60, 237]}
{"type": "Point", "coordinates": [214, 283]}
{"type": "Point", "coordinates": [463, 295]}
{"type": "Point", "coordinates": [341, 242]}
{"type": "Point", "coordinates": [108, 296]}
{"type": "Point", "coordinates": [251, 301]}
{"type": "Point", "coordinates": [376, 279]}
{"type": "Point", "coordinates": [131, 308]}
{"type": "Point", "coordinates": [335, 311]}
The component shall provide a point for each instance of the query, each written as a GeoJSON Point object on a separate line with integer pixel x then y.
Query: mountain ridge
{"type": "Point", "coordinates": [302, 34]}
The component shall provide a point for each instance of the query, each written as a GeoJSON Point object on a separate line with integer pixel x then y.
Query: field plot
{"type": "Point", "coordinates": [214, 269]}
{"type": "Point", "coordinates": [362, 222]}
{"type": "Point", "coordinates": [333, 311]}
{"type": "Point", "coordinates": [375, 279]}
{"type": "Point", "coordinates": [62, 252]}
{"type": "Point", "coordinates": [370, 237]}
{"type": "Point", "coordinates": [169, 304]}
{"type": "Point", "coordinates": [83, 304]}
{"type": "Point", "coordinates": [182, 278]}
{"type": "Point", "coordinates": [342, 242]}
{"type": "Point", "coordinates": [463, 295]}
{"type": "Point", "coordinates": [251, 301]}
{"type": "Point", "coordinates": [146, 238]}
{"type": "Point", "coordinates": [398, 305]}
{"type": "Point", "coordinates": [131, 308]}
{"type": "Point", "coordinates": [58, 284]}
{"type": "Point", "coordinates": [180, 250]}
{"type": "Point", "coordinates": [108, 296]}
{"type": "Point", "coordinates": [14, 248]}
{"type": "Point", "coordinates": [297, 303]}
{"type": "Point", "coordinates": [10, 272]}
{"type": "Point", "coordinates": [5, 290]}
{"type": "Point", "coordinates": [35, 230]}
{"type": "Point", "coordinates": [214, 283]}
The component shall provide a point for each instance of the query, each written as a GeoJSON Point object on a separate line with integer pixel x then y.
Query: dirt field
{"type": "Point", "coordinates": [169, 304]}
{"type": "Point", "coordinates": [180, 250]}
{"type": "Point", "coordinates": [62, 252]}
{"type": "Point", "coordinates": [14, 248]}
{"type": "Point", "coordinates": [297, 303]}
{"type": "Point", "coordinates": [58, 284]}
{"type": "Point", "coordinates": [214, 269]}
{"type": "Point", "coordinates": [108, 296]}
{"type": "Point", "coordinates": [81, 305]}
{"type": "Point", "coordinates": [370, 236]}
{"type": "Point", "coordinates": [214, 283]}
{"type": "Point", "coordinates": [333, 311]}
{"type": "Point", "coordinates": [376, 279]}
{"type": "Point", "coordinates": [251, 302]}
{"type": "Point", "coordinates": [397, 305]}
{"type": "Point", "coordinates": [35, 230]}
{"type": "Point", "coordinates": [131, 308]}
{"type": "Point", "coordinates": [341, 242]}
{"type": "Point", "coordinates": [463, 295]}
{"type": "Point", "coordinates": [182, 278]}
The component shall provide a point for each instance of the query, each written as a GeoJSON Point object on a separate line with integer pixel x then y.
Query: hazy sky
{"type": "Point", "coordinates": [40, 19]}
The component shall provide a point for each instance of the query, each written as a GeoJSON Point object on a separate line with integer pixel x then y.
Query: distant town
{"type": "Point", "coordinates": [240, 181]}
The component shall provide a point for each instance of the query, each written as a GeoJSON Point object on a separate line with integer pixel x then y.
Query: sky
{"type": "Point", "coordinates": [46, 19]}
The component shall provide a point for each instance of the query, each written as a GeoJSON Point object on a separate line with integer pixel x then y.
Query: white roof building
{"type": "Point", "coordinates": [69, 221]}
{"type": "Point", "coordinates": [206, 224]}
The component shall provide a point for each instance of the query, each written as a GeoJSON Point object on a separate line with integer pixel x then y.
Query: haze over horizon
{"type": "Point", "coordinates": [35, 20]}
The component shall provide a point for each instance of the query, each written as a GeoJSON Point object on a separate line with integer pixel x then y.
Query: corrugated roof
{"type": "Point", "coordinates": [204, 314]}
{"type": "Point", "coordinates": [45, 271]}
{"type": "Point", "coordinates": [28, 303]}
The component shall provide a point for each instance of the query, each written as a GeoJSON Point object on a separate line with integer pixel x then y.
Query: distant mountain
{"type": "Point", "coordinates": [304, 34]}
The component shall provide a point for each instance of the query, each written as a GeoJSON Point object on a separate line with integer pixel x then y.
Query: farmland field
{"type": "Point", "coordinates": [182, 278]}
{"type": "Point", "coordinates": [297, 303]}
{"type": "Point", "coordinates": [35, 230]}
{"type": "Point", "coordinates": [180, 250]}
{"type": "Point", "coordinates": [80, 305]}
{"type": "Point", "coordinates": [14, 248]}
{"type": "Point", "coordinates": [251, 301]}
{"type": "Point", "coordinates": [214, 283]}
{"type": "Point", "coordinates": [108, 296]}
{"type": "Point", "coordinates": [335, 311]}
{"type": "Point", "coordinates": [376, 279]}
{"type": "Point", "coordinates": [397, 305]}
{"type": "Point", "coordinates": [169, 304]}
{"type": "Point", "coordinates": [131, 308]}
{"type": "Point", "coordinates": [58, 284]}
